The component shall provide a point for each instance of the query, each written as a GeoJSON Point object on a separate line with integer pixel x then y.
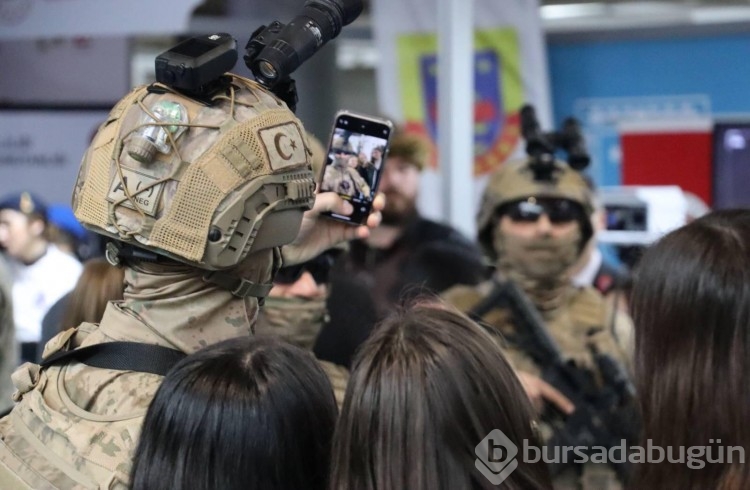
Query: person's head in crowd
{"type": "Point", "coordinates": [295, 308]}
{"type": "Point", "coordinates": [691, 309]}
{"type": "Point", "coordinates": [341, 142]}
{"type": "Point", "coordinates": [241, 414]}
{"type": "Point", "coordinates": [23, 226]}
{"type": "Point", "coordinates": [399, 181]}
{"type": "Point", "coordinates": [362, 157]}
{"type": "Point", "coordinates": [99, 283]}
{"type": "Point", "coordinates": [426, 388]}
{"type": "Point", "coordinates": [376, 156]}
{"type": "Point", "coordinates": [341, 159]}
{"type": "Point", "coordinates": [65, 231]}
{"type": "Point", "coordinates": [534, 226]}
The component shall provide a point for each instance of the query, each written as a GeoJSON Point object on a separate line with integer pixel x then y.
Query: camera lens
{"type": "Point", "coordinates": [267, 70]}
{"type": "Point", "coordinates": [319, 22]}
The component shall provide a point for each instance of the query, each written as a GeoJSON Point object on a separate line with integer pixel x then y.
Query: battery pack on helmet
{"type": "Point", "coordinates": [152, 136]}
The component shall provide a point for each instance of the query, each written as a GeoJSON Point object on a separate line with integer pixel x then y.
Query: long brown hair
{"type": "Point", "coordinates": [99, 283]}
{"type": "Point", "coordinates": [691, 309]}
{"type": "Point", "coordinates": [427, 387]}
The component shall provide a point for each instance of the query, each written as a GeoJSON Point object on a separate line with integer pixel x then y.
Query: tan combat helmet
{"type": "Point", "coordinates": [204, 184]}
{"type": "Point", "coordinates": [319, 156]}
{"type": "Point", "coordinates": [516, 180]}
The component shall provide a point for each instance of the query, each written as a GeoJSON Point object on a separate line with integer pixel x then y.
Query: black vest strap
{"type": "Point", "coordinates": [122, 356]}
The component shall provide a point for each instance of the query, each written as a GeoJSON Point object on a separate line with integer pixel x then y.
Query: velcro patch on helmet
{"type": "Point", "coordinates": [135, 182]}
{"type": "Point", "coordinates": [284, 145]}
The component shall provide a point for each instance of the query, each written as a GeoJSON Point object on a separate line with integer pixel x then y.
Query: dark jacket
{"type": "Point", "coordinates": [368, 283]}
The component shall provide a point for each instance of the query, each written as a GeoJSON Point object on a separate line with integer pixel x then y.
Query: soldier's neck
{"type": "Point", "coordinates": [549, 295]}
{"type": "Point", "coordinates": [173, 306]}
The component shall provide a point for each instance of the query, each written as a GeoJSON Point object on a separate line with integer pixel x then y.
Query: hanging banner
{"type": "Point", "coordinates": [509, 63]}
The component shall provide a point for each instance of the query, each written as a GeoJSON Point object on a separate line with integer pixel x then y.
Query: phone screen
{"type": "Point", "coordinates": [356, 156]}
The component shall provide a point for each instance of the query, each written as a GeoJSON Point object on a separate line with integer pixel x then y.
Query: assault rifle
{"type": "Point", "coordinates": [605, 412]}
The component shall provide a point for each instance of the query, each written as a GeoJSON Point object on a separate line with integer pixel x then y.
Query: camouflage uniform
{"type": "Point", "coordinates": [8, 348]}
{"type": "Point", "coordinates": [576, 318]}
{"type": "Point", "coordinates": [228, 192]}
{"type": "Point", "coordinates": [299, 321]}
{"type": "Point", "coordinates": [344, 180]}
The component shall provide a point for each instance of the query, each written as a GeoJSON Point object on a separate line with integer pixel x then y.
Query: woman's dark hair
{"type": "Point", "coordinates": [691, 310]}
{"type": "Point", "coordinates": [427, 387]}
{"type": "Point", "coordinates": [241, 414]}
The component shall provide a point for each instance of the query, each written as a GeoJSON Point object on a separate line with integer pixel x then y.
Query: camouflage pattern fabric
{"type": "Point", "coordinates": [344, 180]}
{"type": "Point", "coordinates": [221, 181]}
{"type": "Point", "coordinates": [570, 328]}
{"type": "Point", "coordinates": [296, 320]}
{"type": "Point", "coordinates": [299, 321]}
{"type": "Point", "coordinates": [339, 378]}
{"type": "Point", "coordinates": [76, 426]}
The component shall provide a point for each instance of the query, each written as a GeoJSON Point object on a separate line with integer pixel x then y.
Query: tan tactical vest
{"type": "Point", "coordinates": [585, 309]}
{"type": "Point", "coordinates": [35, 435]}
{"type": "Point", "coordinates": [339, 378]}
{"type": "Point", "coordinates": [49, 442]}
{"type": "Point", "coordinates": [76, 426]}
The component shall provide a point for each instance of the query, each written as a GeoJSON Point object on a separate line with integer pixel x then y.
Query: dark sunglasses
{"type": "Point", "coordinates": [319, 268]}
{"type": "Point", "coordinates": [529, 210]}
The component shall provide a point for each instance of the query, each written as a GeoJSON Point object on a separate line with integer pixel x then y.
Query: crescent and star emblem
{"type": "Point", "coordinates": [292, 144]}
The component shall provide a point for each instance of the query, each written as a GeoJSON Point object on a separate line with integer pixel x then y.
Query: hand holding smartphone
{"type": "Point", "coordinates": [356, 155]}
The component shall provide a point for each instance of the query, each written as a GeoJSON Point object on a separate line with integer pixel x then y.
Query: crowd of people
{"type": "Point", "coordinates": [241, 340]}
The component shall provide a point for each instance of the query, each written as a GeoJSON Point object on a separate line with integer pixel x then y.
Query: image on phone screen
{"type": "Point", "coordinates": [356, 156]}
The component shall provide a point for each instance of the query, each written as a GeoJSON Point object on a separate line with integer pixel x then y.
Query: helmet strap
{"type": "Point", "coordinates": [238, 286]}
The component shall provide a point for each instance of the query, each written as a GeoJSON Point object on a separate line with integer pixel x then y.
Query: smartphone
{"type": "Point", "coordinates": [356, 158]}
